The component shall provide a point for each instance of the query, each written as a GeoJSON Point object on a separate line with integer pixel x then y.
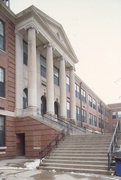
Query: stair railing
{"type": "Point", "coordinates": [113, 144]}
{"type": "Point", "coordinates": [47, 149]}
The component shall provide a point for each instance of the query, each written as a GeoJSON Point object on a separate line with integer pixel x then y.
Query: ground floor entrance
{"type": "Point", "coordinates": [20, 144]}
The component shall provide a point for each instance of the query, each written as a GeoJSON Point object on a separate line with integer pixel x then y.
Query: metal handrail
{"type": "Point", "coordinates": [46, 150]}
{"type": "Point", "coordinates": [113, 144]}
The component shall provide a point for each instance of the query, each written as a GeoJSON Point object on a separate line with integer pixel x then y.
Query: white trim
{"type": "Point", "coordinates": [2, 153]}
{"type": "Point", "coordinates": [4, 147]}
{"type": "Point", "coordinates": [7, 113]}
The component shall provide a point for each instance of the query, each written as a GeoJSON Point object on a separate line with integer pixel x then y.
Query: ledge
{"type": "Point", "coordinates": [3, 148]}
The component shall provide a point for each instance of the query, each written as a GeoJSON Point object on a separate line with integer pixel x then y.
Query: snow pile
{"type": "Point", "coordinates": [32, 165]}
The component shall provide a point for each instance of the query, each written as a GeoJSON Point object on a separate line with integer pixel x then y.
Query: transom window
{"type": "Point", "coordinates": [2, 82]}
{"type": "Point", "coordinates": [2, 35]}
{"type": "Point", "coordinates": [56, 76]}
{"type": "Point", "coordinates": [2, 131]}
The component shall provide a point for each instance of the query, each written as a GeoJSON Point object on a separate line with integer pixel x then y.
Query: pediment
{"type": "Point", "coordinates": [57, 31]}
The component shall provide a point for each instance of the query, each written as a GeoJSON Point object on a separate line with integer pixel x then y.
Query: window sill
{"type": "Point", "coordinates": [3, 51]}
{"type": "Point", "coordinates": [2, 98]}
{"type": "Point", "coordinates": [3, 148]}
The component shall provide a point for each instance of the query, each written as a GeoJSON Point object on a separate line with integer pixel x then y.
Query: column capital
{"type": "Point", "coordinates": [61, 58]}
{"type": "Point", "coordinates": [49, 44]}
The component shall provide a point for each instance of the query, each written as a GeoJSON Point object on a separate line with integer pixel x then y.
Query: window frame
{"type": "Point", "coordinates": [77, 91]}
{"type": "Point", "coordinates": [84, 116]}
{"type": "Point", "coordinates": [78, 113]}
{"type": "Point", "coordinates": [42, 66]}
{"type": "Point", "coordinates": [1, 68]}
{"type": "Point", "coordinates": [56, 78]}
{"type": "Point", "coordinates": [3, 131]}
{"type": "Point", "coordinates": [3, 36]}
{"type": "Point", "coordinates": [90, 100]}
{"type": "Point", "coordinates": [67, 84]}
{"type": "Point", "coordinates": [83, 95]}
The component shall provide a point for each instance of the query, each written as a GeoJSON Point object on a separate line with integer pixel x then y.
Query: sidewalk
{"type": "Point", "coordinates": [25, 169]}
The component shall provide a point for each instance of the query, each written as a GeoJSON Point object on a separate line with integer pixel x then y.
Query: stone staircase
{"type": "Point", "coordinates": [80, 153]}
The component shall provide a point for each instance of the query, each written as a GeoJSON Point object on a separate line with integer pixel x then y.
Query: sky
{"type": "Point", "coordinates": [94, 30]}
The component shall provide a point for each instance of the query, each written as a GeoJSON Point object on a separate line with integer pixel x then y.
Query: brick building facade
{"type": "Point", "coordinates": [37, 79]}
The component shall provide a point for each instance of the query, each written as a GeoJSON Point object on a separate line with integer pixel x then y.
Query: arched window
{"type": "Point", "coordinates": [2, 35]}
{"type": "Point", "coordinates": [25, 98]}
{"type": "Point", "coordinates": [2, 82]}
{"type": "Point", "coordinates": [43, 105]}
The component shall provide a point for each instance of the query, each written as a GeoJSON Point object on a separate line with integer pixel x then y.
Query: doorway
{"type": "Point", "coordinates": [43, 105]}
{"type": "Point", "coordinates": [20, 144]}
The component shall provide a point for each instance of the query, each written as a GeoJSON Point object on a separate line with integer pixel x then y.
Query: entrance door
{"type": "Point", "coordinates": [20, 144]}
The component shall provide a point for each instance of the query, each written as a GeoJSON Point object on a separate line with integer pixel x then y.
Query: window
{"type": "Point", "coordinates": [90, 119]}
{"type": "Point", "coordinates": [83, 95]}
{"type": "Point", "coordinates": [90, 100]}
{"type": "Point", "coordinates": [119, 114]}
{"type": "Point", "coordinates": [67, 84]}
{"type": "Point", "coordinates": [94, 104]}
{"type": "Point", "coordinates": [2, 35]}
{"type": "Point", "coordinates": [25, 98]}
{"type": "Point", "coordinates": [56, 76]}
{"type": "Point", "coordinates": [77, 91]}
{"type": "Point", "coordinates": [113, 115]}
{"type": "Point", "coordinates": [83, 116]}
{"type": "Point", "coordinates": [2, 131]}
{"type": "Point", "coordinates": [101, 123]}
{"type": "Point", "coordinates": [68, 110]}
{"type": "Point", "coordinates": [25, 53]}
{"type": "Point", "coordinates": [78, 118]}
{"type": "Point", "coordinates": [2, 82]}
{"type": "Point", "coordinates": [43, 66]}
{"type": "Point", "coordinates": [95, 120]}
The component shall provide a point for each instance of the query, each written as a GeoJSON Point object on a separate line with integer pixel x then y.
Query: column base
{"type": "Point", "coordinates": [29, 111]}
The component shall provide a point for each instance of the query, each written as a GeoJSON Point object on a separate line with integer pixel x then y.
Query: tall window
{"type": "Point", "coordinates": [83, 116]}
{"type": "Point", "coordinates": [2, 35]}
{"type": "Point", "coordinates": [95, 120]}
{"type": "Point", "coordinates": [113, 115]}
{"type": "Point", "coordinates": [25, 53]}
{"type": "Point", "coordinates": [101, 123]}
{"type": "Point", "coordinates": [25, 98]}
{"type": "Point", "coordinates": [43, 66]}
{"type": "Point", "coordinates": [2, 82]}
{"type": "Point", "coordinates": [90, 119]}
{"type": "Point", "coordinates": [83, 95]}
{"type": "Point", "coordinates": [77, 91]}
{"type": "Point", "coordinates": [90, 100]}
{"type": "Point", "coordinates": [78, 116]}
{"type": "Point", "coordinates": [56, 76]}
{"type": "Point", "coordinates": [94, 104]}
{"type": "Point", "coordinates": [67, 84]}
{"type": "Point", "coordinates": [68, 110]}
{"type": "Point", "coordinates": [119, 114]}
{"type": "Point", "coordinates": [2, 131]}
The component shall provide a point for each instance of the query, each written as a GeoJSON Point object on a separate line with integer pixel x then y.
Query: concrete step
{"type": "Point", "coordinates": [80, 151]}
{"type": "Point", "coordinates": [79, 170]}
{"type": "Point", "coordinates": [79, 155]}
{"type": "Point", "coordinates": [84, 166]}
{"type": "Point", "coordinates": [75, 161]}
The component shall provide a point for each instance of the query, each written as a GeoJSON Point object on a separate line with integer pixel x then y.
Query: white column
{"type": "Point", "coordinates": [50, 80]}
{"type": "Point", "coordinates": [32, 68]}
{"type": "Point", "coordinates": [72, 94]}
{"type": "Point", "coordinates": [19, 73]}
{"type": "Point", "coordinates": [62, 80]}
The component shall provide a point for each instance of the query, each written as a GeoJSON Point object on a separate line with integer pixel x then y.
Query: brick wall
{"type": "Point", "coordinates": [7, 61]}
{"type": "Point", "coordinates": [37, 135]}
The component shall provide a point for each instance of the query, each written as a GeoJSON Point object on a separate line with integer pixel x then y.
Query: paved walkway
{"type": "Point", "coordinates": [25, 169]}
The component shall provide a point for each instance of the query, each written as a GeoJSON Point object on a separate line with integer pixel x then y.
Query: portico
{"type": "Point", "coordinates": [41, 39]}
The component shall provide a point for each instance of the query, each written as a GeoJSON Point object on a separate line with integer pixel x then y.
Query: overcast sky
{"type": "Point", "coordinates": [94, 30]}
